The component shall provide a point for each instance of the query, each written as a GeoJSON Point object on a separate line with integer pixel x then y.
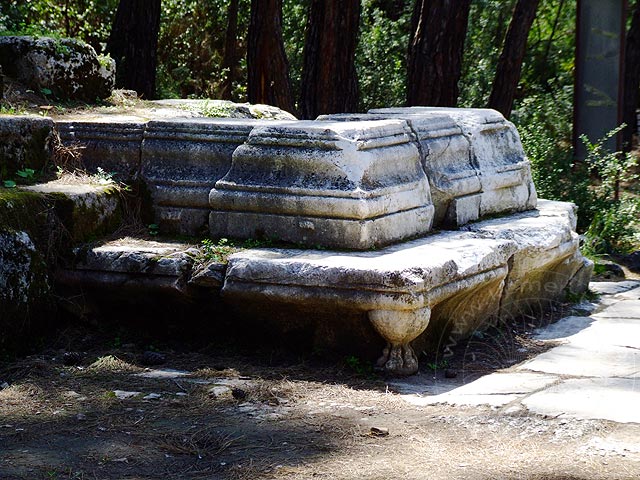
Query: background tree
{"type": "Point", "coordinates": [435, 51]}
{"type": "Point", "coordinates": [329, 81]}
{"type": "Point", "coordinates": [267, 66]}
{"type": "Point", "coordinates": [510, 63]}
{"type": "Point", "coordinates": [631, 79]}
{"type": "Point", "coordinates": [229, 61]}
{"type": "Point", "coordinates": [133, 44]}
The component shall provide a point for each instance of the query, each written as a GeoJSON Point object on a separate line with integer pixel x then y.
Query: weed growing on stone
{"type": "Point", "coordinates": [217, 251]}
{"type": "Point", "coordinates": [216, 109]}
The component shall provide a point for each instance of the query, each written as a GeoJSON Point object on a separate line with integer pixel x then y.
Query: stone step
{"type": "Point", "coordinates": [134, 266]}
{"type": "Point", "coordinates": [86, 207]}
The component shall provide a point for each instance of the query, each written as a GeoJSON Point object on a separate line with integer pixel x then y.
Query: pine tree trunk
{"type": "Point", "coordinates": [133, 44]}
{"type": "Point", "coordinates": [631, 79]}
{"type": "Point", "coordinates": [229, 62]}
{"type": "Point", "coordinates": [267, 65]}
{"type": "Point", "coordinates": [329, 80]}
{"type": "Point", "coordinates": [435, 51]}
{"type": "Point", "coordinates": [509, 67]}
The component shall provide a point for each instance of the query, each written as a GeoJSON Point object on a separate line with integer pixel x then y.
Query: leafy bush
{"type": "Point", "coordinates": [381, 56]}
{"type": "Point", "coordinates": [88, 20]}
{"type": "Point", "coordinates": [614, 229]}
{"type": "Point", "coordinates": [614, 213]}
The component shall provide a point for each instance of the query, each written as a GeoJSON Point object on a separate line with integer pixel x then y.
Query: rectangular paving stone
{"type": "Point", "coordinates": [624, 309]}
{"type": "Point", "coordinates": [587, 361]}
{"type": "Point", "coordinates": [614, 399]}
{"type": "Point", "coordinates": [497, 389]}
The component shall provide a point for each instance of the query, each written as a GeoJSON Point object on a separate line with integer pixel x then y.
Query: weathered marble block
{"type": "Point", "coordinates": [338, 184]}
{"type": "Point", "coordinates": [132, 267]}
{"type": "Point", "coordinates": [446, 157]}
{"type": "Point", "coordinates": [114, 146]}
{"type": "Point", "coordinates": [547, 261]}
{"type": "Point", "coordinates": [396, 287]}
{"type": "Point", "coordinates": [496, 153]}
{"type": "Point", "coordinates": [25, 142]}
{"type": "Point", "coordinates": [87, 211]}
{"type": "Point", "coordinates": [181, 161]}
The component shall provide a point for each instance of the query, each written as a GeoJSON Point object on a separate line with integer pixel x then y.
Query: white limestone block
{"type": "Point", "coordinates": [547, 259]}
{"type": "Point", "coordinates": [338, 184]}
{"type": "Point", "coordinates": [496, 152]}
{"type": "Point", "coordinates": [445, 154]}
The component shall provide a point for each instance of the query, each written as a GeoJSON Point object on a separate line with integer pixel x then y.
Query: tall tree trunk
{"type": "Point", "coordinates": [133, 44]}
{"type": "Point", "coordinates": [329, 80]}
{"type": "Point", "coordinates": [267, 65]}
{"type": "Point", "coordinates": [435, 51]}
{"type": "Point", "coordinates": [229, 62]}
{"type": "Point", "coordinates": [631, 79]}
{"type": "Point", "coordinates": [510, 61]}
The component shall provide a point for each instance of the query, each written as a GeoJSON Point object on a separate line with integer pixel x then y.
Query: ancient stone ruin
{"type": "Point", "coordinates": [415, 223]}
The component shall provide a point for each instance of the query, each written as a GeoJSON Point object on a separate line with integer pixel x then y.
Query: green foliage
{"type": "Point", "coordinates": [437, 365]}
{"type": "Point", "coordinates": [607, 215]}
{"type": "Point", "coordinates": [359, 367]}
{"type": "Point", "coordinates": [614, 214]}
{"type": "Point", "coordinates": [381, 55]}
{"type": "Point", "coordinates": [488, 22]}
{"type": "Point", "coordinates": [294, 19]}
{"type": "Point", "coordinates": [191, 49]}
{"type": "Point", "coordinates": [26, 173]}
{"type": "Point", "coordinates": [614, 229]}
{"type": "Point", "coordinates": [544, 123]}
{"type": "Point", "coordinates": [88, 20]}
{"type": "Point", "coordinates": [217, 251]}
{"type": "Point", "coordinates": [548, 63]}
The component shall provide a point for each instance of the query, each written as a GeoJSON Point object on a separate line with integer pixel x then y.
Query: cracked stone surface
{"type": "Point", "coordinates": [594, 374]}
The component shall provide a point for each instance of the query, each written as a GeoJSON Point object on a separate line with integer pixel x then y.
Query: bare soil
{"type": "Point", "coordinates": [254, 415]}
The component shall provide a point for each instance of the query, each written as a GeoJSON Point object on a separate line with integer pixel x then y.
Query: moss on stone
{"type": "Point", "coordinates": [22, 210]}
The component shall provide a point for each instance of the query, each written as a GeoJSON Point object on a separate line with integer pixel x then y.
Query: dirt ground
{"type": "Point", "coordinates": [90, 407]}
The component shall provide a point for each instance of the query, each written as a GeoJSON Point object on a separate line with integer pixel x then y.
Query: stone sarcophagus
{"type": "Point", "coordinates": [496, 153]}
{"type": "Point", "coordinates": [473, 158]}
{"type": "Point", "coordinates": [445, 155]}
{"type": "Point", "coordinates": [352, 185]}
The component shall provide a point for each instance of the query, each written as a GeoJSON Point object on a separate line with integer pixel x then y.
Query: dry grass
{"type": "Point", "coordinates": [110, 364]}
{"type": "Point", "coordinates": [66, 157]}
{"type": "Point", "coordinates": [204, 442]}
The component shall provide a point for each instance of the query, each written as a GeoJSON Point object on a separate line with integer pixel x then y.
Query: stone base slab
{"type": "Point", "coordinates": [328, 232]}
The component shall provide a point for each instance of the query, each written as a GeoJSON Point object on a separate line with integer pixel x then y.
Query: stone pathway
{"type": "Point", "coordinates": [593, 374]}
